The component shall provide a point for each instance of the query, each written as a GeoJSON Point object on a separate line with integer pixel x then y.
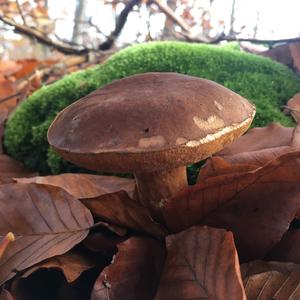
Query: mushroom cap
{"type": "Point", "coordinates": [150, 122]}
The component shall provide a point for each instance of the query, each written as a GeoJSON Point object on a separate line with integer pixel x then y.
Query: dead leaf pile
{"type": "Point", "coordinates": [233, 235]}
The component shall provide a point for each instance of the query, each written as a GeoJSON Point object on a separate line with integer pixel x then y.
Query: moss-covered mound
{"type": "Point", "coordinates": [267, 83]}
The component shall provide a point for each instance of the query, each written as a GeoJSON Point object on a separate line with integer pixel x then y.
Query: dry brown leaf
{"type": "Point", "coordinates": [202, 263]}
{"type": "Point", "coordinates": [134, 272]}
{"type": "Point", "coordinates": [103, 241]}
{"type": "Point", "coordinates": [257, 206]}
{"type": "Point", "coordinates": [293, 107]}
{"type": "Point", "coordinates": [83, 186]}
{"type": "Point", "coordinates": [117, 208]}
{"type": "Point", "coordinates": [6, 295]}
{"type": "Point", "coordinates": [9, 67]}
{"type": "Point", "coordinates": [288, 249]}
{"type": "Point", "coordinates": [11, 168]}
{"type": "Point", "coordinates": [256, 148]}
{"type": "Point", "coordinates": [295, 53]}
{"type": "Point", "coordinates": [265, 281]}
{"type": "Point", "coordinates": [72, 264]}
{"type": "Point", "coordinates": [46, 221]}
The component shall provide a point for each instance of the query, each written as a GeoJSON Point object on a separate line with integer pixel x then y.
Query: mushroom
{"type": "Point", "coordinates": [151, 125]}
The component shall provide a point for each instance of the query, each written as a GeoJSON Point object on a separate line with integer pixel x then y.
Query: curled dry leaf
{"type": "Point", "coordinates": [72, 264]}
{"type": "Point", "coordinates": [256, 148]}
{"type": "Point", "coordinates": [46, 221]}
{"type": "Point", "coordinates": [108, 198]}
{"type": "Point", "coordinates": [288, 249]}
{"type": "Point", "coordinates": [202, 263]}
{"type": "Point", "coordinates": [274, 280]}
{"type": "Point", "coordinates": [120, 210]}
{"type": "Point", "coordinates": [83, 186]}
{"type": "Point", "coordinates": [10, 168]}
{"type": "Point", "coordinates": [257, 206]}
{"type": "Point", "coordinates": [293, 107]}
{"type": "Point", "coordinates": [103, 241]}
{"type": "Point", "coordinates": [6, 295]}
{"type": "Point", "coordinates": [134, 273]}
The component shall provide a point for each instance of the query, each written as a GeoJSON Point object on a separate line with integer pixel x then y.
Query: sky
{"type": "Point", "coordinates": [276, 18]}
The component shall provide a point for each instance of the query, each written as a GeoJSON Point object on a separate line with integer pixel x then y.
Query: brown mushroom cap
{"type": "Point", "coordinates": [149, 122]}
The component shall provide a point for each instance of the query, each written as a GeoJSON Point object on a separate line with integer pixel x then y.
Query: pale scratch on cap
{"type": "Point", "coordinates": [218, 105]}
{"type": "Point", "coordinates": [153, 141]}
{"type": "Point", "coordinates": [212, 122]}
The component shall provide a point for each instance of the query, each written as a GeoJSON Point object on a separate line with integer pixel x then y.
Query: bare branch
{"type": "Point", "coordinates": [121, 20]}
{"type": "Point", "coordinates": [43, 39]}
{"type": "Point", "coordinates": [170, 14]}
{"type": "Point", "coordinates": [223, 37]}
{"type": "Point", "coordinates": [21, 12]}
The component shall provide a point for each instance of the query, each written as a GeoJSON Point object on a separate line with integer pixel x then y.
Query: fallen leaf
{"type": "Point", "coordinates": [83, 186]}
{"type": "Point", "coordinates": [46, 221]}
{"type": "Point", "coordinates": [12, 168]}
{"type": "Point", "coordinates": [6, 295]}
{"type": "Point", "coordinates": [293, 107]}
{"type": "Point", "coordinates": [257, 206]}
{"type": "Point", "coordinates": [72, 265]}
{"type": "Point", "coordinates": [117, 208]}
{"type": "Point", "coordinates": [265, 281]}
{"type": "Point", "coordinates": [288, 249]}
{"type": "Point", "coordinates": [103, 241]}
{"type": "Point", "coordinates": [134, 272]}
{"type": "Point", "coordinates": [108, 198]}
{"type": "Point", "coordinates": [9, 67]}
{"type": "Point", "coordinates": [202, 263]}
{"type": "Point", "coordinates": [295, 53]}
{"type": "Point", "coordinates": [256, 148]}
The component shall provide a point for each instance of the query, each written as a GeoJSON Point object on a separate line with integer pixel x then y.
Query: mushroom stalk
{"type": "Point", "coordinates": [155, 187]}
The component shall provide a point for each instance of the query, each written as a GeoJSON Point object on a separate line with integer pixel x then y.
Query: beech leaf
{"type": "Point", "coordinates": [288, 249]}
{"type": "Point", "coordinates": [85, 185]}
{"type": "Point", "coordinates": [134, 272]}
{"type": "Point", "coordinates": [6, 295]}
{"type": "Point", "coordinates": [202, 263]}
{"type": "Point", "coordinates": [119, 209]}
{"type": "Point", "coordinates": [11, 168]}
{"type": "Point", "coordinates": [257, 206]}
{"type": "Point", "coordinates": [264, 281]}
{"type": "Point", "coordinates": [45, 220]}
{"type": "Point", "coordinates": [293, 107]}
{"type": "Point", "coordinates": [71, 264]}
{"type": "Point", "coordinates": [108, 198]}
{"type": "Point", "coordinates": [256, 148]}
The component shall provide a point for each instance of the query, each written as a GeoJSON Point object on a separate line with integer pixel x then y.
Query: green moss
{"type": "Point", "coordinates": [268, 84]}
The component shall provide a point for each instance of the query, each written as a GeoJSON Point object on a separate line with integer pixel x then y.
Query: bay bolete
{"type": "Point", "coordinates": [152, 125]}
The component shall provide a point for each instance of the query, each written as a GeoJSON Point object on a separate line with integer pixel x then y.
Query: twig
{"type": "Point", "coordinates": [170, 14]}
{"type": "Point", "coordinates": [21, 12]}
{"type": "Point", "coordinates": [121, 20]}
{"type": "Point", "coordinates": [41, 38]}
{"type": "Point", "coordinates": [10, 97]}
{"type": "Point", "coordinates": [223, 37]}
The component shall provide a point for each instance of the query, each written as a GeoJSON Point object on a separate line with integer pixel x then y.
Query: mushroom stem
{"type": "Point", "coordinates": [154, 187]}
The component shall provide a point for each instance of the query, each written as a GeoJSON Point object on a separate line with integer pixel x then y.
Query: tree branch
{"type": "Point", "coordinates": [41, 38]}
{"type": "Point", "coordinates": [170, 14]}
{"type": "Point", "coordinates": [222, 37]}
{"type": "Point", "coordinates": [121, 20]}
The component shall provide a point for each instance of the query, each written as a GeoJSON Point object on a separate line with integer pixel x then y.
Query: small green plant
{"type": "Point", "coordinates": [267, 83]}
